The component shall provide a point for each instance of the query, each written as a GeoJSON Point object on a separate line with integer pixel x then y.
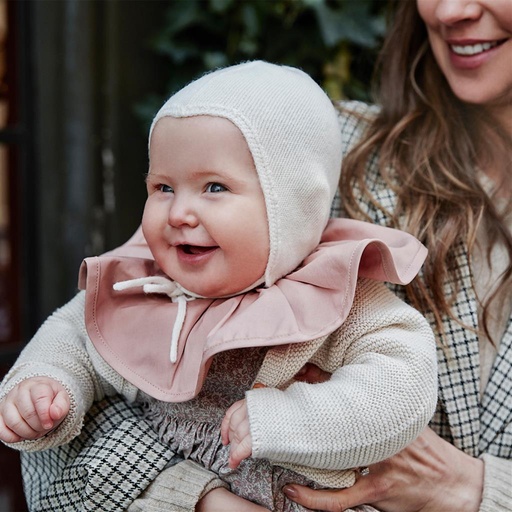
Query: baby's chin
{"type": "Point", "coordinates": [215, 292]}
{"type": "Point", "coordinates": [214, 285]}
{"type": "Point", "coordinates": [200, 290]}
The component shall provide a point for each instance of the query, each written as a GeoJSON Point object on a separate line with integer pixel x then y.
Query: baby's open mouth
{"type": "Point", "coordinates": [196, 249]}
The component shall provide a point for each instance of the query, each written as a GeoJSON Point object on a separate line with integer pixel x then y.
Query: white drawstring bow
{"type": "Point", "coordinates": [165, 286]}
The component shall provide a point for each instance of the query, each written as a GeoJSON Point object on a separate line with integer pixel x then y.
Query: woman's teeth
{"type": "Point", "coordinates": [472, 49]}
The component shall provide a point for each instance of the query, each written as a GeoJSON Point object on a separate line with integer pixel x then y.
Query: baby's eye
{"type": "Point", "coordinates": [215, 187]}
{"type": "Point", "coordinates": [165, 188]}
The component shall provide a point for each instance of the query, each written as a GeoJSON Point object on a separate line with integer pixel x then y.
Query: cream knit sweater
{"type": "Point", "coordinates": [381, 395]}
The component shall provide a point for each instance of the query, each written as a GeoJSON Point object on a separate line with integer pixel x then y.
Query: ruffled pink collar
{"type": "Point", "coordinates": [132, 330]}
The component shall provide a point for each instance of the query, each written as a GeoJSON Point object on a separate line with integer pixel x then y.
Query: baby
{"type": "Point", "coordinates": [237, 280]}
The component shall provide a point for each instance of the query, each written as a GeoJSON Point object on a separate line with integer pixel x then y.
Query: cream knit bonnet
{"type": "Point", "coordinates": [292, 131]}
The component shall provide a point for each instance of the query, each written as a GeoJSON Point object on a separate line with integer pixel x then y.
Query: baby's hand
{"type": "Point", "coordinates": [31, 409]}
{"type": "Point", "coordinates": [235, 431]}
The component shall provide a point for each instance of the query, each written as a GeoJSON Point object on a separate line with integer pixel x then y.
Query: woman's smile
{"type": "Point", "coordinates": [469, 49]}
{"type": "Point", "coordinates": [472, 54]}
{"type": "Point", "coordinates": [472, 44]}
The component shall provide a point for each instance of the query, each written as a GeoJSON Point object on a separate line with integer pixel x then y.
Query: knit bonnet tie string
{"type": "Point", "coordinates": [177, 294]}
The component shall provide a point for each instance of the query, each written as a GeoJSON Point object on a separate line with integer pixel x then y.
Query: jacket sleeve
{"type": "Point", "coordinates": [62, 350]}
{"type": "Point", "coordinates": [115, 457]}
{"type": "Point", "coordinates": [382, 392]}
{"type": "Point", "coordinates": [179, 487]}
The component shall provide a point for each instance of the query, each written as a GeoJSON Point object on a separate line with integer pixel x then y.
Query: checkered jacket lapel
{"type": "Point", "coordinates": [459, 366]}
{"type": "Point", "coordinates": [460, 418]}
{"type": "Point", "coordinates": [496, 417]}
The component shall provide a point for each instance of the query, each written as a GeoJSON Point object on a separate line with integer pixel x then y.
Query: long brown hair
{"type": "Point", "coordinates": [430, 145]}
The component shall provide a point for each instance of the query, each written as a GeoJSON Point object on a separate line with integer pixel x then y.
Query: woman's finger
{"type": "Point", "coordinates": [335, 500]}
{"type": "Point", "coordinates": [312, 374]}
{"type": "Point", "coordinates": [326, 499]}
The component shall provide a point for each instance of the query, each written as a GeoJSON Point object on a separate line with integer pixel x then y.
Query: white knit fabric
{"type": "Point", "coordinates": [292, 131]}
{"type": "Point", "coordinates": [377, 402]}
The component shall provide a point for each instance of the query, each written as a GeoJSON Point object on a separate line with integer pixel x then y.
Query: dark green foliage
{"type": "Point", "coordinates": [335, 41]}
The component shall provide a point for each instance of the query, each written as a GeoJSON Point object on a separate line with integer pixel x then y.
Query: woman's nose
{"type": "Point", "coordinates": [450, 12]}
{"type": "Point", "coordinates": [182, 212]}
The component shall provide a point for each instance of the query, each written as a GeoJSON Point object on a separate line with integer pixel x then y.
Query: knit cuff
{"type": "Point", "coordinates": [177, 488]}
{"type": "Point", "coordinates": [497, 493]}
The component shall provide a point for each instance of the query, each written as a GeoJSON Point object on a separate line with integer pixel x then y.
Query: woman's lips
{"type": "Point", "coordinates": [473, 49]}
{"type": "Point", "coordinates": [467, 55]}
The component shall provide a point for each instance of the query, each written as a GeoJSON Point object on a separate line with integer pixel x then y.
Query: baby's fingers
{"type": "Point", "coordinates": [6, 434]}
{"type": "Point", "coordinates": [36, 407]}
{"type": "Point", "coordinates": [32, 408]}
{"type": "Point", "coordinates": [240, 449]}
{"type": "Point", "coordinates": [13, 427]}
{"type": "Point", "coordinates": [52, 404]}
{"type": "Point", "coordinates": [226, 422]}
{"type": "Point", "coordinates": [34, 398]}
{"type": "Point", "coordinates": [60, 406]}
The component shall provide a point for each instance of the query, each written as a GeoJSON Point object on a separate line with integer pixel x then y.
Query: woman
{"type": "Point", "coordinates": [443, 138]}
{"type": "Point", "coordinates": [446, 113]}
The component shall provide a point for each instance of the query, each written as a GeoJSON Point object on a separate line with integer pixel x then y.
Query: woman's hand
{"type": "Point", "coordinates": [428, 476]}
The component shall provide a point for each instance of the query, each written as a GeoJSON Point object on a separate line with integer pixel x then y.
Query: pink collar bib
{"type": "Point", "coordinates": [132, 330]}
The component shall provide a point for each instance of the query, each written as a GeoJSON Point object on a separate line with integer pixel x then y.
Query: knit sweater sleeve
{"type": "Point", "coordinates": [178, 487]}
{"type": "Point", "coordinates": [382, 392]}
{"type": "Point", "coordinates": [497, 484]}
{"type": "Point", "coordinates": [61, 349]}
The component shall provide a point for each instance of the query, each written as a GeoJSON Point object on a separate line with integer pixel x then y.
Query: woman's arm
{"type": "Point", "coordinates": [181, 487]}
{"type": "Point", "coordinates": [186, 486]}
{"type": "Point", "coordinates": [115, 457]}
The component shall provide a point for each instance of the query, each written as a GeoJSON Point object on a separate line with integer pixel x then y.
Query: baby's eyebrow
{"type": "Point", "coordinates": [207, 173]}
{"type": "Point", "coordinates": [153, 176]}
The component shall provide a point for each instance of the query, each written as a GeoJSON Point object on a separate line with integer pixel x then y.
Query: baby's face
{"type": "Point", "coordinates": [205, 218]}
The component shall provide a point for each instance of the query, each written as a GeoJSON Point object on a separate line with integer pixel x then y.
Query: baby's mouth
{"type": "Point", "coordinates": [196, 249]}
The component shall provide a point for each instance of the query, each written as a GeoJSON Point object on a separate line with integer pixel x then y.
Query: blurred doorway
{"type": "Point", "coordinates": [16, 209]}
